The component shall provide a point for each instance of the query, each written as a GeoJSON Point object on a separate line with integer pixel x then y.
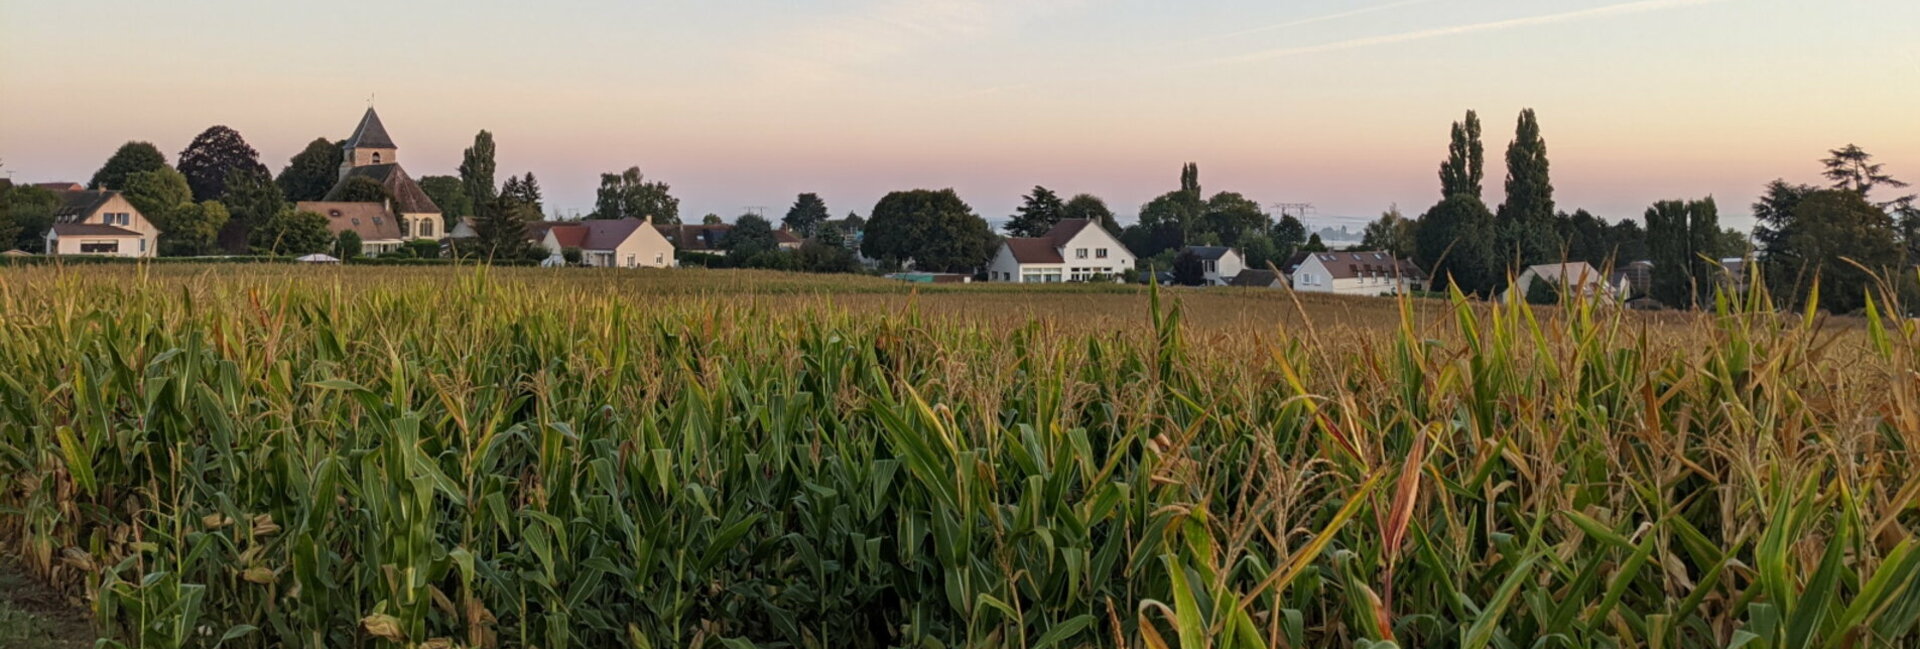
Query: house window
{"type": "Point", "coordinates": [630, 262]}
{"type": "Point", "coordinates": [1100, 253]}
{"type": "Point", "coordinates": [99, 247]}
{"type": "Point", "coordinates": [143, 245]}
{"type": "Point", "coordinates": [659, 259]}
{"type": "Point", "coordinates": [1079, 253]}
{"type": "Point", "coordinates": [1213, 266]}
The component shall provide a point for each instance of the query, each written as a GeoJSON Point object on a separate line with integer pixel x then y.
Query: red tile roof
{"type": "Point", "coordinates": [1046, 249]}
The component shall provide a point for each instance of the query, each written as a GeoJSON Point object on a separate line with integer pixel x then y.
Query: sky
{"type": "Point", "coordinates": [739, 104]}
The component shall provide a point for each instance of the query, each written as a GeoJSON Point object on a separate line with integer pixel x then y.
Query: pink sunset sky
{"type": "Point", "coordinates": [743, 103]}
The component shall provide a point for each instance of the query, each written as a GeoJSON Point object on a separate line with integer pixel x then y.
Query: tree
{"type": "Point", "coordinates": [1853, 169]}
{"type": "Point", "coordinates": [524, 191]}
{"type": "Point", "coordinates": [347, 245]}
{"type": "Point", "coordinates": [31, 209]}
{"type": "Point", "coordinates": [361, 189]}
{"type": "Point", "coordinates": [1392, 233]}
{"type": "Point", "coordinates": [751, 235]}
{"type": "Point", "coordinates": [292, 232]}
{"type": "Point", "coordinates": [1454, 241]}
{"type": "Point", "coordinates": [312, 171]}
{"type": "Point", "coordinates": [130, 158]}
{"type": "Point", "coordinates": [1314, 244]}
{"type": "Point", "coordinates": [502, 229]}
{"type": "Point", "coordinates": [1188, 270]}
{"type": "Point", "coordinates": [1289, 234]}
{"type": "Point", "coordinates": [629, 195]}
{"type": "Point", "coordinates": [1583, 237]}
{"type": "Point", "coordinates": [212, 156]}
{"type": "Point", "coordinates": [1161, 226]}
{"type": "Point", "coordinates": [1465, 167]}
{"type": "Point", "coordinates": [1038, 213]}
{"type": "Point", "coordinates": [193, 229]}
{"type": "Point", "coordinates": [820, 255]}
{"type": "Point", "coordinates": [1833, 229]}
{"type": "Point", "coordinates": [1683, 240]}
{"type": "Point", "coordinates": [1233, 219]}
{"type": "Point", "coordinates": [806, 215]}
{"type": "Point", "coordinates": [476, 170]}
{"type": "Point", "coordinates": [450, 194]}
{"type": "Point", "coordinates": [157, 193]}
{"type": "Point", "coordinates": [712, 219]}
{"type": "Point", "coordinates": [251, 200]}
{"type": "Point", "coordinates": [1543, 291]}
{"type": "Point", "coordinates": [1525, 219]}
{"type": "Point", "coordinates": [9, 230]}
{"type": "Point", "coordinates": [934, 229]}
{"type": "Point", "coordinates": [1090, 207]}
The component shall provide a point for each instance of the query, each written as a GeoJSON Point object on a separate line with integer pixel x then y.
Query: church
{"type": "Point", "coordinates": [383, 227]}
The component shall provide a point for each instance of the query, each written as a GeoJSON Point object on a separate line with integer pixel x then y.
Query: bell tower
{"type": "Point", "coordinates": [369, 145]}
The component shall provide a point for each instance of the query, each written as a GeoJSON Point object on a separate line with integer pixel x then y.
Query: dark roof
{"type": "Point", "coordinates": [1359, 263]}
{"type": "Point", "coordinates": [784, 236]}
{"type": "Point", "coordinates": [1209, 252]}
{"type": "Point", "coordinates": [1045, 249]}
{"type": "Point", "coordinates": [91, 230]}
{"type": "Point", "coordinates": [1257, 279]}
{"type": "Point", "coordinates": [607, 234]}
{"type": "Point", "coordinates": [370, 134]}
{"type": "Point", "coordinates": [1034, 250]}
{"type": "Point", "coordinates": [77, 206]}
{"type": "Point", "coordinates": [408, 197]}
{"type": "Point", "coordinates": [696, 237]}
{"type": "Point", "coordinates": [371, 221]}
{"type": "Point", "coordinates": [61, 186]}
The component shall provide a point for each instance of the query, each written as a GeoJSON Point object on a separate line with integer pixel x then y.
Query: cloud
{"type": "Point", "coordinates": [1628, 8]}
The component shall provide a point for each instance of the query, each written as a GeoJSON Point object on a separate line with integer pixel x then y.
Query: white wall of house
{"type": "Point", "coordinates": [1313, 277]}
{"type": "Point", "coordinates": [116, 212]}
{"type": "Point", "coordinates": [1223, 270]}
{"type": "Point", "coordinates": [1091, 253]}
{"type": "Point", "coordinates": [645, 248]}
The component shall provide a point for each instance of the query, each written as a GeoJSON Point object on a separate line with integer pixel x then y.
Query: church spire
{"type": "Point", "coordinates": [370, 134]}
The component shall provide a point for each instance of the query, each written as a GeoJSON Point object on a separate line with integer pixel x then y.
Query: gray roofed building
{"type": "Point", "coordinates": [370, 134]}
{"type": "Point", "coordinates": [408, 197]}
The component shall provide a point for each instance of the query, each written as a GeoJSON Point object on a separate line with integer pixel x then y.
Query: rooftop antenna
{"type": "Point", "coordinates": [757, 210]}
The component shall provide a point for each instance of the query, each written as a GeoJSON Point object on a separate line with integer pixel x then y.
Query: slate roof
{"type": "Point", "coordinates": [371, 221]}
{"type": "Point", "coordinates": [370, 134]}
{"type": "Point", "coordinates": [91, 230]}
{"type": "Point", "coordinates": [1208, 253]}
{"type": "Point", "coordinates": [1360, 263]}
{"type": "Point", "coordinates": [1257, 279]}
{"type": "Point", "coordinates": [695, 237]}
{"type": "Point", "coordinates": [408, 198]}
{"type": "Point", "coordinates": [77, 206]}
{"type": "Point", "coordinates": [1045, 249]}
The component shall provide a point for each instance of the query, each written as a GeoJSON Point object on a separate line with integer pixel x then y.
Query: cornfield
{"type": "Point", "coordinates": [518, 458]}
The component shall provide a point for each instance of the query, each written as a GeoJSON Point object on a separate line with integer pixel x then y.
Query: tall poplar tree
{"type": "Point", "coordinates": [476, 170]}
{"type": "Point", "coordinates": [1525, 220]}
{"type": "Point", "coordinates": [1465, 168]}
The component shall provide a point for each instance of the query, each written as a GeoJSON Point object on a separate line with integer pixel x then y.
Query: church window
{"type": "Point", "coordinates": [376, 157]}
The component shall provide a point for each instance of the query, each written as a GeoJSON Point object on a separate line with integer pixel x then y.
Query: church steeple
{"type": "Point", "coordinates": [369, 145]}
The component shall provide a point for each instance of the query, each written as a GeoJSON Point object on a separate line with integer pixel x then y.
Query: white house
{"type": "Point", "coordinates": [1075, 250]}
{"type": "Point", "coordinates": [100, 222]}
{"type": "Point", "coordinates": [610, 243]}
{"type": "Point", "coordinates": [1368, 272]}
{"type": "Point", "coordinates": [1589, 280]}
{"type": "Point", "coordinates": [1222, 263]}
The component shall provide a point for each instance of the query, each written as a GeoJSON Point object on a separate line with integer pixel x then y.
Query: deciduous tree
{"type": "Point", "coordinates": [934, 229]}
{"type": "Point", "coordinates": [212, 156]}
{"type": "Point", "coordinates": [312, 171]}
{"type": "Point", "coordinates": [751, 235]}
{"type": "Point", "coordinates": [477, 168]}
{"type": "Point", "coordinates": [361, 189]}
{"type": "Point", "coordinates": [130, 158]}
{"type": "Point", "coordinates": [1465, 167]}
{"type": "Point", "coordinates": [450, 194]}
{"type": "Point", "coordinates": [1090, 207]}
{"type": "Point", "coordinates": [1524, 232]}
{"type": "Point", "coordinates": [1455, 243]}
{"type": "Point", "coordinates": [292, 232]}
{"type": "Point", "coordinates": [629, 194]}
{"type": "Point", "coordinates": [1392, 233]}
